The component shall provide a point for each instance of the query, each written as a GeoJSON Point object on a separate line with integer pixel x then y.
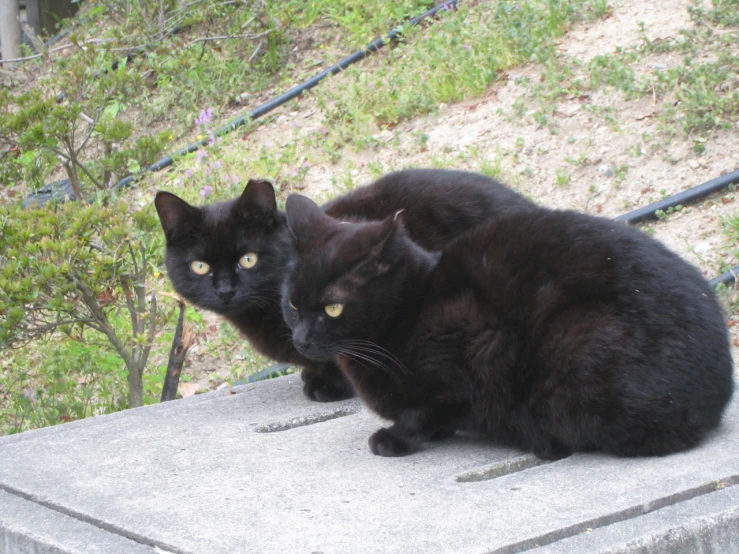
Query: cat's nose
{"type": "Point", "coordinates": [302, 345]}
{"type": "Point", "coordinates": [226, 295]}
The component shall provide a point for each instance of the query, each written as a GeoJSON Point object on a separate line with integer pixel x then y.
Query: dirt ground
{"type": "Point", "coordinates": [530, 157]}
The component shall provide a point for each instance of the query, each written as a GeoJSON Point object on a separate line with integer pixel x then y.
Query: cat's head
{"type": "Point", "coordinates": [347, 281]}
{"type": "Point", "coordinates": [228, 256]}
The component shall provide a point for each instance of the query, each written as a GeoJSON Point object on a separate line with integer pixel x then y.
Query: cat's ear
{"type": "Point", "coordinates": [302, 214]}
{"type": "Point", "coordinates": [387, 247]}
{"type": "Point", "coordinates": [173, 211]}
{"type": "Point", "coordinates": [258, 196]}
{"type": "Point", "coordinates": [389, 228]}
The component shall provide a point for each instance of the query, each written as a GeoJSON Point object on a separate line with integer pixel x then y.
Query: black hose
{"type": "Point", "coordinates": [276, 370]}
{"type": "Point", "coordinates": [290, 94]}
{"type": "Point", "coordinates": [725, 278]}
{"type": "Point", "coordinates": [681, 198]}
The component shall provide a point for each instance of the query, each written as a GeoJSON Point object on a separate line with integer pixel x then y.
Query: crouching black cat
{"type": "Point", "coordinates": [231, 257]}
{"type": "Point", "coordinates": [551, 331]}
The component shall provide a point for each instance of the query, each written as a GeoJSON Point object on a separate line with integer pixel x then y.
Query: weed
{"type": "Point", "coordinates": [562, 178]}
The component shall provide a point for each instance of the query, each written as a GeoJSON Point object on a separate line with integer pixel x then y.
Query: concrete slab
{"type": "Point", "coordinates": [265, 470]}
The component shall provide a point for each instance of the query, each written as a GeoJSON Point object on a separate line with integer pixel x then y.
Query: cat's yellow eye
{"type": "Point", "coordinates": [199, 268]}
{"type": "Point", "coordinates": [247, 261]}
{"type": "Point", "coordinates": [292, 306]}
{"type": "Point", "coordinates": [334, 310]}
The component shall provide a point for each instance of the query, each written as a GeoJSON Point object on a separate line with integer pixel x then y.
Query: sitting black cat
{"type": "Point", "coordinates": [231, 257]}
{"type": "Point", "coordinates": [551, 331]}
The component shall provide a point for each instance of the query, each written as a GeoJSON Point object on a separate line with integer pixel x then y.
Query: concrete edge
{"type": "Point", "coordinates": [707, 524]}
{"type": "Point", "coordinates": [29, 528]}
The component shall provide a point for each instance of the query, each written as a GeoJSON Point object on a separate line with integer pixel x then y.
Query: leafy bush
{"type": "Point", "coordinates": [76, 118]}
{"type": "Point", "coordinates": [75, 268]}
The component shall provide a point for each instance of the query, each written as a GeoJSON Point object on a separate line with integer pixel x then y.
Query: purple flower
{"type": "Point", "coordinates": [200, 155]}
{"type": "Point", "coordinates": [188, 172]}
{"type": "Point", "coordinates": [211, 139]}
{"type": "Point", "coordinates": [206, 190]}
{"type": "Point", "coordinates": [205, 117]}
{"type": "Point", "coordinates": [466, 47]}
{"type": "Point", "coordinates": [29, 394]}
{"type": "Point", "coordinates": [217, 165]}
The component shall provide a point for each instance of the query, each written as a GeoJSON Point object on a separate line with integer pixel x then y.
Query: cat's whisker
{"type": "Point", "coordinates": [355, 353]}
{"type": "Point", "coordinates": [351, 357]}
{"type": "Point", "coordinates": [369, 346]}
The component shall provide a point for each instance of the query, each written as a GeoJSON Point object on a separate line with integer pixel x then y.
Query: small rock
{"type": "Point", "coordinates": [701, 247]}
{"type": "Point", "coordinates": [660, 66]}
{"type": "Point", "coordinates": [606, 170]}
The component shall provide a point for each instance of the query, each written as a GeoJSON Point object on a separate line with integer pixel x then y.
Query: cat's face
{"type": "Point", "coordinates": [229, 256]}
{"type": "Point", "coordinates": [346, 282]}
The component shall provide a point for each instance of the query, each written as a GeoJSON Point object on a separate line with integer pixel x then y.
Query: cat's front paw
{"type": "Point", "coordinates": [385, 443]}
{"type": "Point", "coordinates": [325, 384]}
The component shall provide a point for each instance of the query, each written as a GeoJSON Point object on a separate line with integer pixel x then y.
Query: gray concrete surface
{"type": "Point", "coordinates": [265, 470]}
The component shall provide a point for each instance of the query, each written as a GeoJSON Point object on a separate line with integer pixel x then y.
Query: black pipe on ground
{"type": "Point", "coordinates": [374, 46]}
{"type": "Point", "coordinates": [725, 278]}
{"type": "Point", "coordinates": [681, 198]}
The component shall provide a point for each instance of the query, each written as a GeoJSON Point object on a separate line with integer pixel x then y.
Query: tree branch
{"type": "Point", "coordinates": [102, 320]}
{"type": "Point", "coordinates": [248, 36]}
{"type": "Point", "coordinates": [128, 293]}
{"type": "Point", "coordinates": [180, 345]}
{"type": "Point", "coordinates": [75, 162]}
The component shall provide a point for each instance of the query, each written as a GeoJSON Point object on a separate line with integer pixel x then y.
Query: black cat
{"type": "Point", "coordinates": [551, 331]}
{"type": "Point", "coordinates": [231, 257]}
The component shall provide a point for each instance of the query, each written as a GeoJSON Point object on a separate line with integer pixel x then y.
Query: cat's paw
{"type": "Point", "coordinates": [385, 443]}
{"type": "Point", "coordinates": [325, 385]}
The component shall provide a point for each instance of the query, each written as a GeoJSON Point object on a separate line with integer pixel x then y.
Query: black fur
{"type": "Point", "coordinates": [441, 205]}
{"type": "Point", "coordinates": [551, 331]}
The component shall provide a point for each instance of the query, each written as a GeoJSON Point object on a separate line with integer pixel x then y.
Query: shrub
{"type": "Point", "coordinates": [75, 268]}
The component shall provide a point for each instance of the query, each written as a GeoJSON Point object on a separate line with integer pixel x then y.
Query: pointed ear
{"type": "Point", "coordinates": [386, 250]}
{"type": "Point", "coordinates": [390, 227]}
{"type": "Point", "coordinates": [257, 196]}
{"type": "Point", "coordinates": [302, 214]}
{"type": "Point", "coordinates": [173, 211]}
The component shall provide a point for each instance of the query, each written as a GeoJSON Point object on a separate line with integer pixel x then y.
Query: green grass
{"type": "Point", "coordinates": [458, 58]}
{"type": "Point", "coordinates": [59, 381]}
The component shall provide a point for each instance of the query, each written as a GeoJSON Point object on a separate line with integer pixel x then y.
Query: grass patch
{"type": "Point", "coordinates": [458, 58]}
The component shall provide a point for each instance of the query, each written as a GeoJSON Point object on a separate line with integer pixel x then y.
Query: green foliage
{"type": "Point", "coordinates": [724, 12]}
{"type": "Point", "coordinates": [74, 268]}
{"type": "Point", "coordinates": [707, 98]}
{"type": "Point", "coordinates": [701, 95]}
{"type": "Point", "coordinates": [362, 20]}
{"type": "Point", "coordinates": [76, 116]}
{"type": "Point", "coordinates": [70, 380]}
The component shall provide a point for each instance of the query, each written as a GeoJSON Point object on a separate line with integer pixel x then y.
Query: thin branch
{"type": "Point", "coordinates": [102, 319]}
{"type": "Point", "coordinates": [256, 51]}
{"type": "Point", "coordinates": [180, 345]}
{"type": "Point", "coordinates": [75, 162]}
{"type": "Point", "coordinates": [248, 36]}
{"type": "Point", "coordinates": [43, 329]}
{"type": "Point", "coordinates": [152, 330]}
{"type": "Point", "coordinates": [128, 293]}
{"type": "Point", "coordinates": [57, 49]}
{"type": "Point", "coordinates": [91, 123]}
